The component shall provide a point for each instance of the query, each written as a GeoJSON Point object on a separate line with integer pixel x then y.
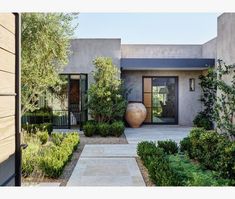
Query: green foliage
{"type": "Point", "coordinates": [176, 170]}
{"type": "Point", "coordinates": [214, 151]}
{"type": "Point", "coordinates": [168, 146]}
{"type": "Point", "coordinates": [55, 158]}
{"type": "Point", "coordinates": [202, 120]}
{"type": "Point", "coordinates": [89, 129]}
{"type": "Point", "coordinates": [43, 136]}
{"type": "Point", "coordinates": [225, 105]}
{"type": "Point", "coordinates": [103, 129]}
{"type": "Point", "coordinates": [30, 155]}
{"type": "Point", "coordinates": [209, 87]}
{"type": "Point", "coordinates": [33, 128]}
{"type": "Point", "coordinates": [117, 128]}
{"type": "Point", "coordinates": [45, 49]}
{"type": "Point", "coordinates": [190, 174]}
{"type": "Point", "coordinates": [106, 100]}
{"type": "Point", "coordinates": [186, 146]}
{"type": "Point", "coordinates": [57, 138]}
{"type": "Point", "coordinates": [50, 158]}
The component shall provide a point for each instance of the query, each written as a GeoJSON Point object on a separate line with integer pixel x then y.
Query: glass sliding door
{"type": "Point", "coordinates": [160, 97]}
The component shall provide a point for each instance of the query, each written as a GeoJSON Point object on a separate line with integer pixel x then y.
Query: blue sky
{"type": "Point", "coordinates": [159, 28]}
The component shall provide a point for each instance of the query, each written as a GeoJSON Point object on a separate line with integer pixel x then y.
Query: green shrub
{"type": "Point", "coordinates": [168, 146]}
{"type": "Point", "coordinates": [46, 127]}
{"type": "Point", "coordinates": [89, 129]}
{"type": "Point", "coordinates": [55, 157]}
{"type": "Point", "coordinates": [186, 146]}
{"type": "Point", "coordinates": [43, 136]}
{"type": "Point", "coordinates": [57, 138]}
{"type": "Point", "coordinates": [214, 151]}
{"type": "Point", "coordinates": [201, 120]}
{"type": "Point", "coordinates": [190, 174]}
{"type": "Point", "coordinates": [161, 173]}
{"type": "Point", "coordinates": [117, 128]}
{"type": "Point", "coordinates": [147, 151]}
{"type": "Point", "coordinates": [155, 160]}
{"type": "Point", "coordinates": [103, 129]}
{"type": "Point", "coordinates": [30, 156]}
{"type": "Point", "coordinates": [33, 128]}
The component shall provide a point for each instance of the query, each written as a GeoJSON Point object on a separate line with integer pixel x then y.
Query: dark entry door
{"type": "Point", "coordinates": [77, 100]}
{"type": "Point", "coordinates": [160, 96]}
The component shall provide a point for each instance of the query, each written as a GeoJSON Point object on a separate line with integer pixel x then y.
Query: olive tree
{"type": "Point", "coordinates": [106, 95]}
{"type": "Point", "coordinates": [45, 49]}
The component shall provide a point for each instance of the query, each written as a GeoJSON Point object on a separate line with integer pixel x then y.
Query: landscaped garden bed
{"type": "Point", "coordinates": [204, 158]}
{"type": "Point", "coordinates": [103, 129]}
{"type": "Point", "coordinates": [47, 155]}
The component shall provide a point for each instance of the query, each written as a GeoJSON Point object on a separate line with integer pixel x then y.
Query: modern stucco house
{"type": "Point", "coordinates": [164, 77]}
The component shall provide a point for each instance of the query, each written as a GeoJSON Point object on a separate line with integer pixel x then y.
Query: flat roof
{"type": "Point", "coordinates": [166, 63]}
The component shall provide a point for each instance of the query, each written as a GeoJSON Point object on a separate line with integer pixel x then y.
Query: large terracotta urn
{"type": "Point", "coordinates": [135, 114]}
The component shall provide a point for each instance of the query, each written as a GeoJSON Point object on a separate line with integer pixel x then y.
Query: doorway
{"type": "Point", "coordinates": [77, 111]}
{"type": "Point", "coordinates": [160, 97]}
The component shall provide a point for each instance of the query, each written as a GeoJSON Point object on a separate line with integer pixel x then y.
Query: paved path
{"type": "Point", "coordinates": [107, 165]}
{"type": "Point", "coordinates": [155, 133]}
{"type": "Point", "coordinates": [115, 164]}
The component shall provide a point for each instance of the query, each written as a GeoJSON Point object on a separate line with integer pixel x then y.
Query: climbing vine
{"type": "Point", "coordinates": [225, 104]}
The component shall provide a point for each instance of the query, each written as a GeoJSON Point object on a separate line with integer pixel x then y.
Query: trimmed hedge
{"type": "Point", "coordinates": [214, 151]}
{"type": "Point", "coordinates": [175, 170]}
{"type": "Point", "coordinates": [51, 158]}
{"type": "Point", "coordinates": [43, 136]}
{"type": "Point", "coordinates": [34, 128]}
{"type": "Point", "coordinates": [55, 158]}
{"type": "Point", "coordinates": [115, 128]}
{"type": "Point", "coordinates": [168, 146]}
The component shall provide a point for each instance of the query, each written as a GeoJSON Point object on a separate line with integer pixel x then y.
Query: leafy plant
{"type": "Point", "coordinates": [186, 146]}
{"type": "Point", "coordinates": [106, 100]}
{"type": "Point", "coordinates": [43, 136]}
{"type": "Point", "coordinates": [225, 105]}
{"type": "Point", "coordinates": [202, 120]}
{"type": "Point", "coordinates": [57, 138]}
{"type": "Point", "coordinates": [103, 129]}
{"type": "Point", "coordinates": [45, 49]}
{"type": "Point", "coordinates": [168, 146]}
{"type": "Point", "coordinates": [89, 129]}
{"type": "Point", "coordinates": [117, 128]}
{"type": "Point", "coordinates": [208, 98]}
{"type": "Point", "coordinates": [190, 174]}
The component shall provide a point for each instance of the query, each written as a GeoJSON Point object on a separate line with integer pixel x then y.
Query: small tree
{"type": "Point", "coordinates": [106, 100]}
{"type": "Point", "coordinates": [45, 50]}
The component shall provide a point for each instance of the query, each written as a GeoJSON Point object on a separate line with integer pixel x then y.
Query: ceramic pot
{"type": "Point", "coordinates": [135, 114]}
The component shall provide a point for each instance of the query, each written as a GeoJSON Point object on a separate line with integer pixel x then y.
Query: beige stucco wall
{"type": "Point", "coordinates": [226, 43]}
{"type": "Point", "coordinates": [189, 104]}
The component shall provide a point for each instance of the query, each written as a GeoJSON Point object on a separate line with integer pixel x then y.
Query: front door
{"type": "Point", "coordinates": [160, 97]}
{"type": "Point", "coordinates": [77, 100]}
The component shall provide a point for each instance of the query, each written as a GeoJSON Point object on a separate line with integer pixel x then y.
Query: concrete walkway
{"type": "Point", "coordinates": [107, 165]}
{"type": "Point", "coordinates": [156, 132]}
{"type": "Point", "coordinates": [115, 164]}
